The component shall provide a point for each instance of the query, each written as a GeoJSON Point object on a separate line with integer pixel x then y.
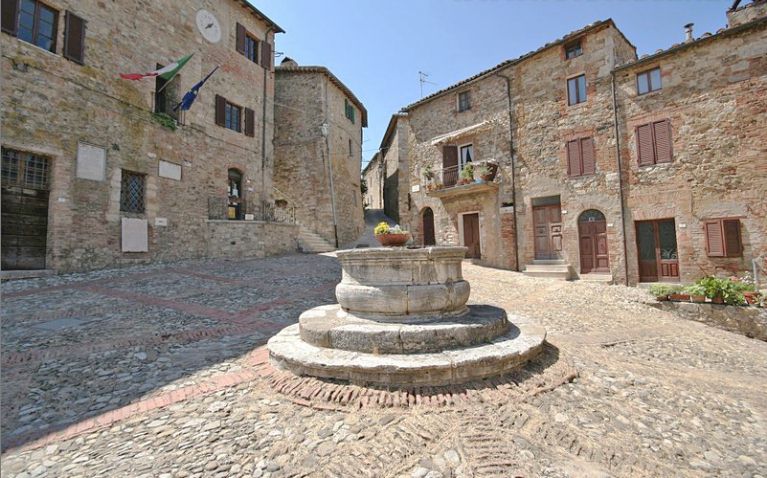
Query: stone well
{"type": "Point", "coordinates": [402, 319]}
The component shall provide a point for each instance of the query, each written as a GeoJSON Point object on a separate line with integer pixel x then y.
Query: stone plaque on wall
{"type": "Point", "coordinates": [170, 170]}
{"type": "Point", "coordinates": [135, 236]}
{"type": "Point", "coordinates": [91, 162]}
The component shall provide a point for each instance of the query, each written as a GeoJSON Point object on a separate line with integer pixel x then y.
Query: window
{"type": "Point", "coordinates": [74, 38]}
{"type": "Point", "coordinates": [22, 169]}
{"type": "Point", "coordinates": [247, 45]}
{"type": "Point", "coordinates": [573, 50]}
{"type": "Point", "coordinates": [463, 101]}
{"type": "Point", "coordinates": [654, 143]}
{"type": "Point", "coordinates": [581, 160]}
{"type": "Point", "coordinates": [349, 110]}
{"type": "Point", "coordinates": [723, 238]}
{"type": "Point", "coordinates": [37, 24]}
{"type": "Point", "coordinates": [576, 90]}
{"type": "Point", "coordinates": [132, 192]}
{"type": "Point", "coordinates": [648, 81]}
{"type": "Point", "coordinates": [232, 118]}
{"type": "Point", "coordinates": [467, 155]}
{"type": "Point", "coordinates": [166, 95]}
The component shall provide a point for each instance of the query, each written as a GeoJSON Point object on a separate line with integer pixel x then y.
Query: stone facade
{"type": "Point", "coordinates": [372, 174]}
{"type": "Point", "coordinates": [51, 104]}
{"type": "Point", "coordinates": [250, 238]}
{"type": "Point", "coordinates": [306, 153]}
{"type": "Point", "coordinates": [711, 95]}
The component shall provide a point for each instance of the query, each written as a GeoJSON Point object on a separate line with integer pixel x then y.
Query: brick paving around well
{"type": "Point", "coordinates": [160, 371]}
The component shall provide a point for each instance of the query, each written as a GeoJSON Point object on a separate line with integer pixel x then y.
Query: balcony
{"type": "Point", "coordinates": [448, 183]}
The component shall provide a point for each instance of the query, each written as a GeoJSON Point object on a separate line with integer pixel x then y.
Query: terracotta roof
{"type": "Point", "coordinates": [724, 32]}
{"type": "Point", "coordinates": [255, 11]}
{"type": "Point", "coordinates": [333, 79]}
{"type": "Point", "coordinates": [504, 64]}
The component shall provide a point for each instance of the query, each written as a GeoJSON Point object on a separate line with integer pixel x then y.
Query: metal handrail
{"type": "Point", "coordinates": [448, 177]}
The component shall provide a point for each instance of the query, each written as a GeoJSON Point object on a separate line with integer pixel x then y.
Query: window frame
{"type": "Point", "coordinates": [581, 141]}
{"type": "Point", "coordinates": [124, 199]}
{"type": "Point", "coordinates": [349, 111]}
{"type": "Point", "coordinates": [575, 45]}
{"type": "Point", "coordinates": [461, 163]}
{"type": "Point", "coordinates": [577, 90]}
{"type": "Point", "coordinates": [36, 24]}
{"type": "Point", "coordinates": [461, 106]}
{"type": "Point", "coordinates": [228, 107]}
{"type": "Point", "coordinates": [250, 39]}
{"type": "Point", "coordinates": [653, 135]}
{"type": "Point", "coordinates": [720, 223]}
{"type": "Point", "coordinates": [648, 75]}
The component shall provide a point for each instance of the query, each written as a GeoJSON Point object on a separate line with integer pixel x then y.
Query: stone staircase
{"type": "Point", "coordinates": [311, 243]}
{"type": "Point", "coordinates": [551, 269]}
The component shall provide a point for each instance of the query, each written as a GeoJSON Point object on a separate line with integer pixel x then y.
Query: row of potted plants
{"type": "Point", "coordinates": [484, 171]}
{"type": "Point", "coordinates": [729, 291]}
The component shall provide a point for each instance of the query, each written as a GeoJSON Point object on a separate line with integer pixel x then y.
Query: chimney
{"type": "Point", "coordinates": [287, 61]}
{"type": "Point", "coordinates": [688, 31]}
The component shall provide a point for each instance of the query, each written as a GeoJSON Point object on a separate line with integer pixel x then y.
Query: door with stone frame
{"type": "Point", "coordinates": [657, 250]}
{"type": "Point", "coordinates": [547, 230]}
{"type": "Point", "coordinates": [471, 235]}
{"type": "Point", "coordinates": [592, 234]}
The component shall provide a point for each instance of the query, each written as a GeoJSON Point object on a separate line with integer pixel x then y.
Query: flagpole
{"type": "Point", "coordinates": [167, 82]}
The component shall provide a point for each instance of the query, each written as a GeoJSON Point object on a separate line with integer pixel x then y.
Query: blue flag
{"type": "Point", "coordinates": [191, 95]}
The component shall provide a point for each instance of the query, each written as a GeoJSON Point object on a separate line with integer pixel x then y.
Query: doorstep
{"type": "Point", "coordinates": [26, 274]}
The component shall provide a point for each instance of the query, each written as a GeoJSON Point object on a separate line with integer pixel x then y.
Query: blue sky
{"type": "Point", "coordinates": [377, 47]}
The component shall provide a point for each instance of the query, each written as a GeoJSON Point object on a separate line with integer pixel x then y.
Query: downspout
{"type": "Point", "coordinates": [263, 129]}
{"type": "Point", "coordinates": [620, 177]}
{"type": "Point", "coordinates": [513, 171]}
{"type": "Point", "coordinates": [326, 134]}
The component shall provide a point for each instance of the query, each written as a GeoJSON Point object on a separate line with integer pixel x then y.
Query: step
{"type": "Point", "coordinates": [596, 277]}
{"type": "Point", "coordinates": [550, 262]}
{"type": "Point", "coordinates": [549, 275]}
{"type": "Point", "coordinates": [547, 268]}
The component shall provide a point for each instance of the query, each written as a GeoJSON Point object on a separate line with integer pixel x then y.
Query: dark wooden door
{"type": "Point", "coordinates": [547, 227]}
{"type": "Point", "coordinates": [428, 228]}
{"type": "Point", "coordinates": [657, 251]}
{"type": "Point", "coordinates": [593, 247]}
{"type": "Point", "coordinates": [471, 235]}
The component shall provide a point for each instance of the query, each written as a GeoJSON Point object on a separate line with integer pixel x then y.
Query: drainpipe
{"type": "Point", "coordinates": [513, 171]}
{"type": "Point", "coordinates": [620, 177]}
{"type": "Point", "coordinates": [326, 133]}
{"type": "Point", "coordinates": [263, 130]}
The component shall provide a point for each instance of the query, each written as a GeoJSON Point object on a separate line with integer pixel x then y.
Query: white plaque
{"type": "Point", "coordinates": [161, 221]}
{"type": "Point", "coordinates": [135, 235]}
{"type": "Point", "coordinates": [170, 170]}
{"type": "Point", "coordinates": [91, 162]}
{"type": "Point", "coordinates": [415, 188]}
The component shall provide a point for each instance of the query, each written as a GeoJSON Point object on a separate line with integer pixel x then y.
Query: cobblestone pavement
{"type": "Point", "coordinates": [157, 371]}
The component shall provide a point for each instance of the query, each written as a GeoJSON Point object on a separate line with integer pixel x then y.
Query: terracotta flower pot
{"type": "Point", "coordinates": [698, 298]}
{"type": "Point", "coordinates": [393, 240]}
{"type": "Point", "coordinates": [661, 298]}
{"type": "Point", "coordinates": [750, 297]}
{"type": "Point", "coordinates": [679, 297]}
{"type": "Point", "coordinates": [717, 300]}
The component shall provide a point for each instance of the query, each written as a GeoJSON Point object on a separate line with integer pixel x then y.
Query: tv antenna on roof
{"type": "Point", "coordinates": [422, 79]}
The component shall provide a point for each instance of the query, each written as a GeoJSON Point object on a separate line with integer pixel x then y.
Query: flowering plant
{"type": "Point", "coordinates": [384, 228]}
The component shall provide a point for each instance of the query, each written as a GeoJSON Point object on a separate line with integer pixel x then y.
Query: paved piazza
{"type": "Point", "coordinates": [159, 371]}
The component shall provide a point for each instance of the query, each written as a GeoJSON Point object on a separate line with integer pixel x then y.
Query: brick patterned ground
{"type": "Point", "coordinates": [160, 371]}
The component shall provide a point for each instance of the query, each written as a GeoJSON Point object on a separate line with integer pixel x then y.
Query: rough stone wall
{"type": "Point", "coordinates": [50, 103]}
{"type": "Point", "coordinates": [746, 13]}
{"type": "Point", "coordinates": [713, 95]}
{"type": "Point", "coordinates": [373, 176]}
{"type": "Point", "coordinates": [395, 185]}
{"type": "Point", "coordinates": [250, 238]}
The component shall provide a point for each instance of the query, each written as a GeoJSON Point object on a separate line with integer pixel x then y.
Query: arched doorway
{"type": "Point", "coordinates": [592, 234]}
{"type": "Point", "coordinates": [234, 210]}
{"type": "Point", "coordinates": [428, 227]}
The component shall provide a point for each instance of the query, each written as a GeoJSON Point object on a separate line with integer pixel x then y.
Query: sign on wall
{"type": "Point", "coordinates": [135, 235]}
{"type": "Point", "coordinates": [91, 162]}
{"type": "Point", "coordinates": [170, 170]}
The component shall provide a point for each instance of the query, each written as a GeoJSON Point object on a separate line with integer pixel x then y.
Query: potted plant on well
{"type": "Point", "coordinates": [392, 236]}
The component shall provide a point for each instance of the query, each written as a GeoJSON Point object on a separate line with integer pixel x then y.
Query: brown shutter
{"type": "Point", "coordinates": [587, 155]}
{"type": "Point", "coordinates": [74, 38]}
{"type": "Point", "coordinates": [9, 11]}
{"type": "Point", "coordinates": [573, 158]}
{"type": "Point", "coordinates": [266, 55]}
{"type": "Point", "coordinates": [645, 151]}
{"type": "Point", "coordinates": [250, 122]}
{"type": "Point", "coordinates": [220, 110]}
{"type": "Point", "coordinates": [240, 38]}
{"type": "Point", "coordinates": [662, 131]}
{"type": "Point", "coordinates": [714, 241]}
{"type": "Point", "coordinates": [732, 245]}
{"type": "Point", "coordinates": [449, 156]}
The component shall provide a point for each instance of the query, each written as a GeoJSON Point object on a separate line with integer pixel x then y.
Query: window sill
{"type": "Point", "coordinates": [649, 93]}
{"type": "Point", "coordinates": [36, 48]}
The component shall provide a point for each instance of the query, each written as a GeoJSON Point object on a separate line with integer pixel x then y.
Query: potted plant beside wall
{"type": "Point", "coordinates": [697, 293]}
{"type": "Point", "coordinates": [467, 175]}
{"type": "Point", "coordinates": [391, 236]}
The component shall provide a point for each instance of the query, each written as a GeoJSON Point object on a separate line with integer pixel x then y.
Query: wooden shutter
{"type": "Point", "coordinates": [449, 156]}
{"type": "Point", "coordinates": [74, 38]}
{"type": "Point", "coordinates": [732, 243]}
{"type": "Point", "coordinates": [714, 239]}
{"type": "Point", "coordinates": [250, 122]}
{"type": "Point", "coordinates": [662, 132]}
{"type": "Point", "coordinates": [588, 157]}
{"type": "Point", "coordinates": [220, 110]}
{"type": "Point", "coordinates": [573, 158]}
{"type": "Point", "coordinates": [240, 39]}
{"type": "Point", "coordinates": [9, 11]}
{"type": "Point", "coordinates": [266, 55]}
{"type": "Point", "coordinates": [645, 150]}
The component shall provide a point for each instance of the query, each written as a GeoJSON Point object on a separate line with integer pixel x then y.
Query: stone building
{"type": "Point", "coordinates": [98, 170]}
{"type": "Point", "coordinates": [318, 152]}
{"type": "Point", "coordinates": [570, 200]}
{"type": "Point", "coordinates": [372, 175]}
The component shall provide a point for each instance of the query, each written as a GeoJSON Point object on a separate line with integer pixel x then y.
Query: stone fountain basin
{"type": "Point", "coordinates": [330, 326]}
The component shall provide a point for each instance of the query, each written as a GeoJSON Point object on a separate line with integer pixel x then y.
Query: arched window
{"type": "Point", "coordinates": [591, 215]}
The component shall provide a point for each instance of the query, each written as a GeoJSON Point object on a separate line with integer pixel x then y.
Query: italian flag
{"type": "Point", "coordinates": [166, 72]}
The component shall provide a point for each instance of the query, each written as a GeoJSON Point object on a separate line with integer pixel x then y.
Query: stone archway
{"type": "Point", "coordinates": [592, 240]}
{"type": "Point", "coordinates": [427, 226]}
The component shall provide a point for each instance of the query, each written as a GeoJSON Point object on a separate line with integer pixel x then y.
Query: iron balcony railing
{"type": "Point", "coordinates": [235, 209]}
{"type": "Point", "coordinates": [450, 176]}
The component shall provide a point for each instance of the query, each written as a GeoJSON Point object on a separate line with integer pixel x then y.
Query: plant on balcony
{"type": "Point", "coordinates": [428, 173]}
{"type": "Point", "coordinates": [484, 173]}
{"type": "Point", "coordinates": [467, 174]}
{"type": "Point", "coordinates": [392, 236]}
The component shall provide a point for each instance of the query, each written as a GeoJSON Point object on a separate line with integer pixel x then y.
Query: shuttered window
{"type": "Point", "coordinates": [449, 165]}
{"type": "Point", "coordinates": [74, 38]}
{"type": "Point", "coordinates": [267, 57]}
{"type": "Point", "coordinates": [9, 11]}
{"type": "Point", "coordinates": [250, 122]}
{"type": "Point", "coordinates": [230, 116]}
{"type": "Point", "coordinates": [349, 110]}
{"type": "Point", "coordinates": [581, 157]}
{"type": "Point", "coordinates": [723, 238]}
{"type": "Point", "coordinates": [31, 21]}
{"type": "Point", "coordinates": [259, 52]}
{"type": "Point", "coordinates": [654, 143]}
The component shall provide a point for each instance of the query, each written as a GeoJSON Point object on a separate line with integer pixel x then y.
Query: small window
{"type": "Point", "coordinates": [233, 114]}
{"type": "Point", "coordinates": [466, 154]}
{"type": "Point", "coordinates": [648, 81]}
{"type": "Point", "coordinates": [723, 238]}
{"type": "Point", "coordinates": [132, 192]}
{"type": "Point", "coordinates": [463, 101]}
{"type": "Point", "coordinates": [573, 50]}
{"type": "Point", "coordinates": [251, 48]}
{"type": "Point", "coordinates": [349, 110]}
{"type": "Point", "coordinates": [166, 95]}
{"type": "Point", "coordinates": [654, 143]}
{"type": "Point", "coordinates": [37, 24]}
{"type": "Point", "coordinates": [576, 90]}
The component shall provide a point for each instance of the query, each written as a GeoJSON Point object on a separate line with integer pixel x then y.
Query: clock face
{"type": "Point", "coordinates": [208, 25]}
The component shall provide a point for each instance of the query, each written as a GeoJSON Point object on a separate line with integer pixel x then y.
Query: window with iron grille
{"type": "Point", "coordinates": [132, 192]}
{"type": "Point", "coordinates": [463, 101]}
{"type": "Point", "coordinates": [22, 169]}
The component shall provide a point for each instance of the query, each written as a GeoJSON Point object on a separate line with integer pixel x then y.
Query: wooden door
{"type": "Point", "coordinates": [428, 227]}
{"type": "Point", "coordinates": [471, 235]}
{"type": "Point", "coordinates": [592, 234]}
{"type": "Point", "coordinates": [547, 227]}
{"type": "Point", "coordinates": [657, 251]}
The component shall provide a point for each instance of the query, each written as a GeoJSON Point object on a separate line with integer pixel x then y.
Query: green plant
{"type": "Point", "coordinates": [467, 172]}
{"type": "Point", "coordinates": [428, 173]}
{"type": "Point", "coordinates": [695, 289]}
{"type": "Point", "coordinates": [662, 290]}
{"type": "Point", "coordinates": [725, 289]}
{"type": "Point", "coordinates": [381, 228]}
{"type": "Point", "coordinates": [166, 120]}
{"type": "Point", "coordinates": [483, 171]}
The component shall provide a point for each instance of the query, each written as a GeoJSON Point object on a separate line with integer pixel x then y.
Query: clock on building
{"type": "Point", "coordinates": [208, 25]}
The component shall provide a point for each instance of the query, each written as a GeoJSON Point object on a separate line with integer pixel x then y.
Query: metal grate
{"type": "Point", "coordinates": [10, 169]}
{"type": "Point", "coordinates": [24, 169]}
{"type": "Point", "coordinates": [132, 192]}
{"type": "Point", "coordinates": [36, 172]}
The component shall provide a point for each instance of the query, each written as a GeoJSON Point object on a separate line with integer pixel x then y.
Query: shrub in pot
{"type": "Point", "coordinates": [660, 291]}
{"type": "Point", "coordinates": [392, 236]}
{"type": "Point", "coordinates": [697, 293]}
